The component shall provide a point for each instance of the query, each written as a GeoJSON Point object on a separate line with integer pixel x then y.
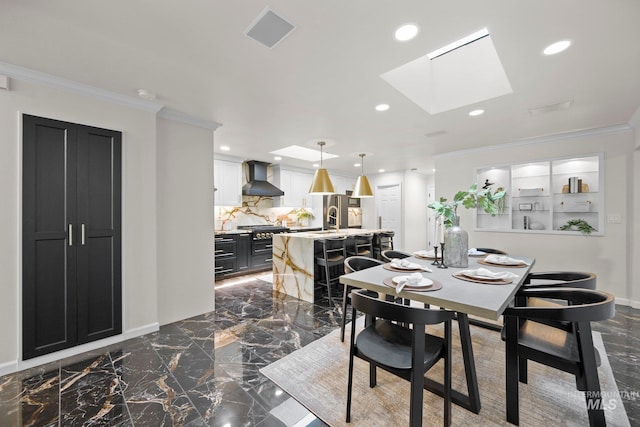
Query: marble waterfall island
{"type": "Point", "coordinates": [294, 260]}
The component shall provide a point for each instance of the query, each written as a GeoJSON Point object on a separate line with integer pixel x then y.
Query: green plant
{"type": "Point", "coordinates": [304, 214]}
{"type": "Point", "coordinates": [473, 198]}
{"type": "Point", "coordinates": [578, 224]}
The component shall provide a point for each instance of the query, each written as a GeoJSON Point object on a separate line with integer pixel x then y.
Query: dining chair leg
{"type": "Point", "coordinates": [343, 322]}
{"type": "Point", "coordinates": [447, 374]}
{"type": "Point", "coordinates": [511, 369]}
{"type": "Point", "coordinates": [373, 380]}
{"type": "Point", "coordinates": [522, 370]}
{"type": "Point", "coordinates": [417, 382]}
{"type": "Point", "coordinates": [350, 378]}
{"type": "Point", "coordinates": [593, 394]}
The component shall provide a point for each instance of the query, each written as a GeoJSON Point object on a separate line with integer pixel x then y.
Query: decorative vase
{"type": "Point", "coordinates": [456, 246]}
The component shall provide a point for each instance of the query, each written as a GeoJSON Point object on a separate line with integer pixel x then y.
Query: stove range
{"type": "Point", "coordinates": [263, 232]}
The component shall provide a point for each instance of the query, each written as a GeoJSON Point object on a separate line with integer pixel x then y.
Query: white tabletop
{"type": "Point", "coordinates": [478, 299]}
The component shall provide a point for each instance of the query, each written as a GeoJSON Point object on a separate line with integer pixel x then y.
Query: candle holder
{"type": "Point", "coordinates": [442, 264]}
{"type": "Point", "coordinates": [435, 251]}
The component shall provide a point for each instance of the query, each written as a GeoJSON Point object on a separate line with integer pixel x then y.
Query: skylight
{"type": "Point", "coordinates": [460, 74]}
{"type": "Point", "coordinates": [303, 153]}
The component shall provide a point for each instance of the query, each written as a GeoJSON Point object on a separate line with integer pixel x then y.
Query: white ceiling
{"type": "Point", "coordinates": [323, 80]}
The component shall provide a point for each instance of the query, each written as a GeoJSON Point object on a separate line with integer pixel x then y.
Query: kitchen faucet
{"type": "Point", "coordinates": [335, 216]}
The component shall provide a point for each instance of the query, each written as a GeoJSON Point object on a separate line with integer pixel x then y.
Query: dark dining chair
{"type": "Point", "coordinates": [351, 264]}
{"type": "Point", "coordinates": [552, 279]}
{"type": "Point", "coordinates": [402, 351]}
{"type": "Point", "coordinates": [330, 260]}
{"type": "Point", "coordinates": [390, 254]}
{"type": "Point", "coordinates": [528, 335]}
{"type": "Point", "coordinates": [492, 251]}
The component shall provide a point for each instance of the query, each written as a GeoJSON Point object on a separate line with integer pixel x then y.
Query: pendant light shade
{"type": "Point", "coordinates": [321, 183]}
{"type": "Point", "coordinates": [363, 188]}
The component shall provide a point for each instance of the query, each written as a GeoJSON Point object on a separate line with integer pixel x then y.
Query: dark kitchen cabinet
{"type": "Point", "coordinates": [243, 252]}
{"type": "Point", "coordinates": [224, 255]}
{"type": "Point", "coordinates": [71, 272]}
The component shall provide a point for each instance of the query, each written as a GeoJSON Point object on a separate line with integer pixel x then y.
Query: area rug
{"type": "Point", "coordinates": [316, 376]}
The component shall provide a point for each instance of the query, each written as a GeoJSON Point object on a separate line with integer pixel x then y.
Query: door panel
{"type": "Point", "coordinates": [71, 235]}
{"type": "Point", "coordinates": [48, 208]}
{"type": "Point", "coordinates": [98, 250]}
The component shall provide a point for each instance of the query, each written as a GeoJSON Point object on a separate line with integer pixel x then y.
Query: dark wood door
{"type": "Point", "coordinates": [71, 235]}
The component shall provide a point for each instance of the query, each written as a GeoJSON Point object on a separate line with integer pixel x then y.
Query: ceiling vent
{"type": "Point", "coordinates": [550, 108]}
{"type": "Point", "coordinates": [269, 29]}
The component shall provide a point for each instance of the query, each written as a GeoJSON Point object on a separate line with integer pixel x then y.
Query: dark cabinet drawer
{"type": "Point", "coordinates": [224, 266]}
{"type": "Point", "coordinates": [261, 261]}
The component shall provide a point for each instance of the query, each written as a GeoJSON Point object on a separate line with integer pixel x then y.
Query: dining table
{"type": "Point", "coordinates": [452, 289]}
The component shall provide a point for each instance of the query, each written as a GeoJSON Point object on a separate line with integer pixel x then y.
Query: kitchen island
{"type": "Point", "coordinates": [294, 260]}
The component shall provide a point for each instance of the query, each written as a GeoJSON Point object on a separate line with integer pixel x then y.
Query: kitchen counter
{"type": "Point", "coordinates": [294, 260]}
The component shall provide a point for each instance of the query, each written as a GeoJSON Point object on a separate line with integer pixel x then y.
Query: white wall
{"type": "Point", "coordinates": [414, 207]}
{"type": "Point", "coordinates": [139, 202]}
{"type": "Point", "coordinates": [608, 256]}
{"type": "Point", "coordinates": [185, 221]}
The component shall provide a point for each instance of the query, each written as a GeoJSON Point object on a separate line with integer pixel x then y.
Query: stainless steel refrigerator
{"type": "Point", "coordinates": [341, 203]}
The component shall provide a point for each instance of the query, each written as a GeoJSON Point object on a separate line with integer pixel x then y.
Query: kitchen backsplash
{"type": "Point", "coordinates": [257, 210]}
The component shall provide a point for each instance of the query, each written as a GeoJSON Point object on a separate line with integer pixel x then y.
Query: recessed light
{"type": "Point", "coordinates": [406, 32]}
{"type": "Point", "coordinates": [380, 170]}
{"type": "Point", "coordinates": [316, 165]}
{"type": "Point", "coordinates": [277, 158]}
{"type": "Point", "coordinates": [382, 107]}
{"type": "Point", "coordinates": [357, 165]}
{"type": "Point", "coordinates": [557, 47]}
{"type": "Point", "coordinates": [225, 148]}
{"type": "Point", "coordinates": [433, 170]}
{"type": "Point", "coordinates": [476, 112]}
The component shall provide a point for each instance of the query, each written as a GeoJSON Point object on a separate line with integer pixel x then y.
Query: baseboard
{"type": "Point", "coordinates": [19, 365]}
{"type": "Point", "coordinates": [628, 302]}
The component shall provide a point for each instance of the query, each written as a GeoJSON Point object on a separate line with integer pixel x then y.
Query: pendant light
{"type": "Point", "coordinates": [362, 189]}
{"type": "Point", "coordinates": [321, 183]}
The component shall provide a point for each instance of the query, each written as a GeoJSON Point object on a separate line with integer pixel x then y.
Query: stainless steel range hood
{"type": "Point", "coordinates": [258, 184]}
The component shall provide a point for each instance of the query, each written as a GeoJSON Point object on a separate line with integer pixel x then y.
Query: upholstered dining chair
{"type": "Point", "coordinates": [529, 335]}
{"type": "Point", "coordinates": [407, 352]}
{"type": "Point", "coordinates": [351, 264]}
{"type": "Point", "coordinates": [390, 254]}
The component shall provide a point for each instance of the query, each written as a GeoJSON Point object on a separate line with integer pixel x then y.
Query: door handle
{"type": "Point", "coordinates": [82, 234]}
{"type": "Point", "coordinates": [70, 234]}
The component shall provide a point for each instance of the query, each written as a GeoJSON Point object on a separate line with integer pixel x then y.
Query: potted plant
{"type": "Point", "coordinates": [304, 217]}
{"type": "Point", "coordinates": [578, 225]}
{"type": "Point", "coordinates": [456, 240]}
{"type": "Point", "coordinates": [472, 198]}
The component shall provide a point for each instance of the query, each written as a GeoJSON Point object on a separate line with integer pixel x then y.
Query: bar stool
{"type": "Point", "coordinates": [362, 245]}
{"type": "Point", "coordinates": [330, 260]}
{"type": "Point", "coordinates": [383, 241]}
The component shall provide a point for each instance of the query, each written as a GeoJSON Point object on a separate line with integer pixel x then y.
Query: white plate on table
{"type": "Point", "coordinates": [425, 283]}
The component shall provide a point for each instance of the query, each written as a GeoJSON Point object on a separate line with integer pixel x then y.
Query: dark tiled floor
{"type": "Point", "coordinates": [204, 371]}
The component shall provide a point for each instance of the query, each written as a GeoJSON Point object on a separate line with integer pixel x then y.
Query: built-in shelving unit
{"type": "Point", "coordinates": [542, 196]}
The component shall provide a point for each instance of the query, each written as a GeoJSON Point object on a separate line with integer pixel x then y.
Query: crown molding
{"type": "Point", "coordinates": [28, 75]}
{"type": "Point", "coordinates": [179, 116]}
{"type": "Point", "coordinates": [539, 140]}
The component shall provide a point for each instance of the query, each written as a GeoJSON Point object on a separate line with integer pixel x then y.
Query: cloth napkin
{"type": "Point", "coordinates": [412, 279]}
{"type": "Point", "coordinates": [402, 263]}
{"type": "Point", "coordinates": [503, 259]}
{"type": "Point", "coordinates": [483, 272]}
{"type": "Point", "coordinates": [474, 251]}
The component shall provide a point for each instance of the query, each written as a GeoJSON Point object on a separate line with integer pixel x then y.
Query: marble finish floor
{"type": "Point", "coordinates": [204, 371]}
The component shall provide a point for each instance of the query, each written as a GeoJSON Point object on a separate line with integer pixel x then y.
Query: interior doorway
{"type": "Point", "coordinates": [389, 211]}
